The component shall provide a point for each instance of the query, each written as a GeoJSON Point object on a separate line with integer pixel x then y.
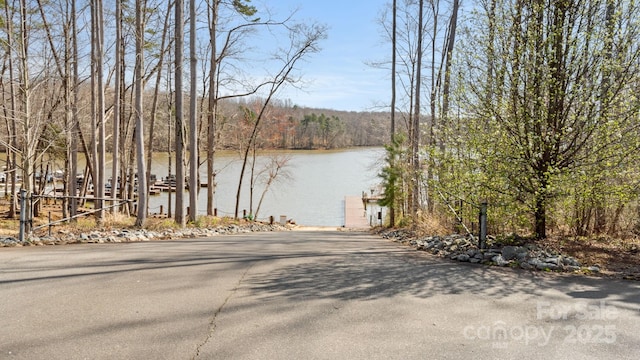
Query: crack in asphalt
{"type": "Point", "coordinates": [212, 322]}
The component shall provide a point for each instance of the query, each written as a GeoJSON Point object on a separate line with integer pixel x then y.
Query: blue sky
{"type": "Point", "coordinates": [339, 77]}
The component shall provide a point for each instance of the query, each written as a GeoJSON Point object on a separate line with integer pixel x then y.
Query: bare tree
{"type": "Point", "coordinates": [97, 105]}
{"type": "Point", "coordinates": [101, 164]}
{"type": "Point", "coordinates": [274, 171]}
{"type": "Point", "coordinates": [12, 144]}
{"type": "Point", "coordinates": [193, 123]}
{"type": "Point", "coordinates": [212, 105]}
{"type": "Point", "coordinates": [25, 87]}
{"type": "Point", "coordinates": [75, 127]}
{"type": "Point", "coordinates": [179, 142]}
{"type": "Point", "coordinates": [415, 141]}
{"type": "Point", "coordinates": [241, 8]}
{"type": "Point", "coordinates": [298, 49]}
{"type": "Point", "coordinates": [169, 96]}
{"type": "Point", "coordinates": [394, 39]}
{"type": "Point", "coordinates": [139, 88]}
{"type": "Point", "coordinates": [450, 43]}
{"type": "Point", "coordinates": [119, 59]}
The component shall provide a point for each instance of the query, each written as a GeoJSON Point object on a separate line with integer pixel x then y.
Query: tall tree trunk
{"type": "Point", "coordinates": [416, 120]}
{"type": "Point", "coordinates": [24, 98]}
{"type": "Point", "coordinates": [123, 152]}
{"type": "Point", "coordinates": [115, 158]}
{"type": "Point", "coordinates": [599, 198]}
{"type": "Point", "coordinates": [392, 185]}
{"type": "Point", "coordinates": [139, 133]}
{"type": "Point", "coordinates": [94, 102]}
{"type": "Point", "coordinates": [75, 127]}
{"type": "Point", "coordinates": [170, 95]}
{"type": "Point", "coordinates": [193, 123]}
{"type": "Point", "coordinates": [435, 7]}
{"type": "Point", "coordinates": [24, 95]}
{"type": "Point", "coordinates": [101, 165]}
{"type": "Point", "coordinates": [491, 17]}
{"type": "Point", "coordinates": [212, 110]}
{"type": "Point", "coordinates": [540, 213]}
{"type": "Point", "coordinates": [434, 125]}
{"type": "Point", "coordinates": [408, 184]}
{"type": "Point", "coordinates": [12, 169]}
{"type": "Point", "coordinates": [69, 186]}
{"type": "Point", "coordinates": [63, 69]}
{"type": "Point", "coordinates": [179, 143]}
{"type": "Point", "coordinates": [453, 25]}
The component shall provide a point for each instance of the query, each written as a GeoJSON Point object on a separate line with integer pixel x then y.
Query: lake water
{"type": "Point", "coordinates": [314, 195]}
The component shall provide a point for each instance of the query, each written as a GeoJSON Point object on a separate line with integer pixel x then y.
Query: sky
{"type": "Point", "coordinates": [339, 77]}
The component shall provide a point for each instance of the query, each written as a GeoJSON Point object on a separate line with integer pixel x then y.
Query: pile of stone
{"type": "Point", "coordinates": [126, 235]}
{"type": "Point", "coordinates": [464, 248]}
{"type": "Point", "coordinates": [11, 241]}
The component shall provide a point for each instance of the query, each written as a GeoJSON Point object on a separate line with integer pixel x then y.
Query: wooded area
{"type": "Point", "coordinates": [533, 109]}
{"type": "Point", "coordinates": [82, 77]}
{"type": "Point", "coordinates": [528, 105]}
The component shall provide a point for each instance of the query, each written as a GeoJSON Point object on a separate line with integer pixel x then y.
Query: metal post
{"type": "Point", "coordinates": [23, 214]}
{"type": "Point", "coordinates": [483, 225]}
{"type": "Point", "coordinates": [30, 212]}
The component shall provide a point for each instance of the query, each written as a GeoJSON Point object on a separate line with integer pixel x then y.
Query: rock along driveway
{"type": "Point", "coordinates": [300, 295]}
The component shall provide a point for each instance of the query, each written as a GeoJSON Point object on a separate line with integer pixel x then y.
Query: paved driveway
{"type": "Point", "coordinates": [300, 295]}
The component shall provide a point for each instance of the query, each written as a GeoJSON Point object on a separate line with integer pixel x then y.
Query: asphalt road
{"type": "Point", "coordinates": [300, 295]}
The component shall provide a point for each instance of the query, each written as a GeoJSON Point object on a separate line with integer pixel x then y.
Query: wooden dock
{"type": "Point", "coordinates": [355, 216]}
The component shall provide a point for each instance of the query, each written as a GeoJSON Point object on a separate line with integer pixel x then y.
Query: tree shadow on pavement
{"type": "Point", "coordinates": [375, 275]}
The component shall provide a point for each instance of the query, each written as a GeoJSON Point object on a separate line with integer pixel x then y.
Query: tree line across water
{"type": "Point", "coordinates": [291, 127]}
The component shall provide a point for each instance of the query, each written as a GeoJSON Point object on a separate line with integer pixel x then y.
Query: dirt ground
{"type": "Point", "coordinates": [616, 257]}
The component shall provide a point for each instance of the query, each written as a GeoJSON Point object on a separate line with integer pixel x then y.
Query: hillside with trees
{"type": "Point", "coordinates": [289, 126]}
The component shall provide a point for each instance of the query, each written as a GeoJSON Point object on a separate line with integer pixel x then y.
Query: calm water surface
{"type": "Point", "coordinates": [314, 194]}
